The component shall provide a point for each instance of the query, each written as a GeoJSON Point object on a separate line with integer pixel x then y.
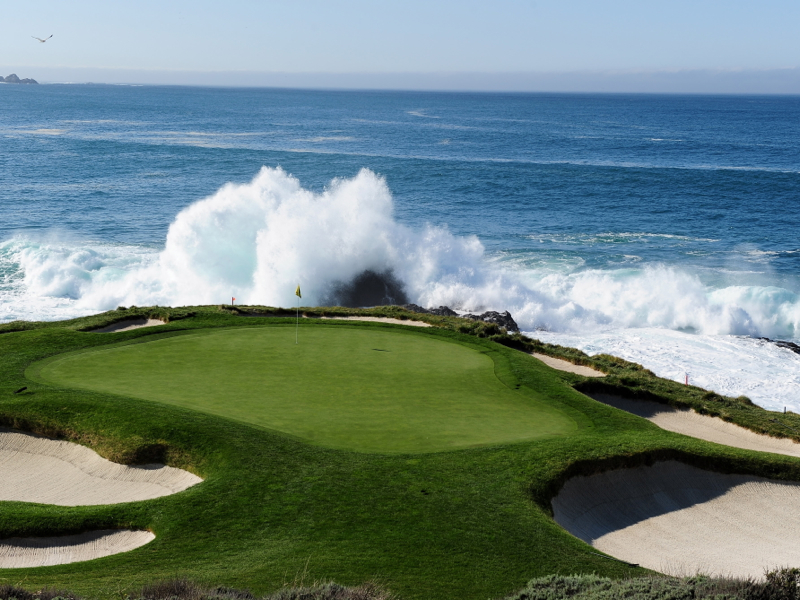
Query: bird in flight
{"type": "Point", "coordinates": [42, 40]}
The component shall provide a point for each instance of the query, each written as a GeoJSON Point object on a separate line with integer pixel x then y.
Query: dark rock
{"type": "Point", "coordinates": [442, 311]}
{"type": "Point", "coordinates": [14, 79]}
{"type": "Point", "coordinates": [502, 319]}
{"type": "Point", "coordinates": [415, 308]}
{"type": "Point", "coordinates": [781, 344]}
{"type": "Point", "coordinates": [368, 288]}
{"type": "Point", "coordinates": [789, 346]}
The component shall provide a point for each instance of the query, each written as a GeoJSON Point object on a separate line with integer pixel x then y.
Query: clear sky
{"type": "Point", "coordinates": [200, 40]}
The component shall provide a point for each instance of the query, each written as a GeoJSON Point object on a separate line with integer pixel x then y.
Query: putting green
{"type": "Point", "coordinates": [357, 388]}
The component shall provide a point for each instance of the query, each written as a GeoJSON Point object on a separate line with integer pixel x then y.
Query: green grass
{"type": "Point", "coordinates": [471, 523]}
{"type": "Point", "coordinates": [342, 387]}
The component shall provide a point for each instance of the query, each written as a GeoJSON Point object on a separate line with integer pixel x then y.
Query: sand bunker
{"type": "Point", "coordinates": [38, 469]}
{"type": "Point", "coordinates": [711, 429]}
{"type": "Point", "coordinates": [565, 365]}
{"type": "Point", "coordinates": [382, 320]}
{"type": "Point", "coordinates": [18, 553]}
{"type": "Point", "coordinates": [681, 520]}
{"type": "Point", "coordinates": [128, 324]}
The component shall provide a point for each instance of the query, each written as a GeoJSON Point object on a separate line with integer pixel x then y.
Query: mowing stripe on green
{"type": "Point", "coordinates": [369, 390]}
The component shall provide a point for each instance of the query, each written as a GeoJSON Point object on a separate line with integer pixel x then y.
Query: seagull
{"type": "Point", "coordinates": [42, 40]}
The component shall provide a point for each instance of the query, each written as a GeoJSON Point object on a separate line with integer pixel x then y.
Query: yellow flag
{"type": "Point", "coordinates": [297, 292]}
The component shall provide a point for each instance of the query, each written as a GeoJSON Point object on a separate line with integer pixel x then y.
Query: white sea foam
{"type": "Point", "coordinates": [727, 364]}
{"type": "Point", "coordinates": [257, 241]}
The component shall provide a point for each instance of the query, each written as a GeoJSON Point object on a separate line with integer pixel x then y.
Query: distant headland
{"type": "Point", "coordinates": [14, 79]}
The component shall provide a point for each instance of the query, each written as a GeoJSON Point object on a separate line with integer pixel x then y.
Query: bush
{"type": "Point", "coordinates": [332, 591]}
{"type": "Point", "coordinates": [184, 589]}
{"type": "Point", "coordinates": [781, 584]}
{"type": "Point", "coordinates": [10, 592]}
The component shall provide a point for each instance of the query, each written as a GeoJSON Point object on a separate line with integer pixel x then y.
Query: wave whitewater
{"type": "Point", "coordinates": [257, 241]}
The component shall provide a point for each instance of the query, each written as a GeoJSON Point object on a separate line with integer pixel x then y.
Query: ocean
{"type": "Point", "coordinates": [662, 229]}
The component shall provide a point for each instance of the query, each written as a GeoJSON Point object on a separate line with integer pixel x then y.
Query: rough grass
{"type": "Point", "coordinates": [472, 523]}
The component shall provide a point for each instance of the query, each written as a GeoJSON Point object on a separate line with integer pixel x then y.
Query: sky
{"type": "Point", "coordinates": [436, 44]}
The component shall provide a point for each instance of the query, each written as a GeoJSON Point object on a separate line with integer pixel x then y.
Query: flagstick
{"type": "Point", "coordinates": [297, 326]}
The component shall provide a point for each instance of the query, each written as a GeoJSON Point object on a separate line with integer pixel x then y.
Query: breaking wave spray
{"type": "Point", "coordinates": [258, 241]}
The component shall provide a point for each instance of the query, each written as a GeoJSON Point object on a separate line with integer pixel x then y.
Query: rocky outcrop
{"type": "Point", "coordinates": [442, 311]}
{"type": "Point", "coordinates": [781, 344]}
{"type": "Point", "coordinates": [14, 79]}
{"type": "Point", "coordinates": [368, 288]}
{"type": "Point", "coordinates": [502, 319]}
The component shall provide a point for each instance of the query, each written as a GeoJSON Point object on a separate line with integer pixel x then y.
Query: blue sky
{"type": "Point", "coordinates": [245, 42]}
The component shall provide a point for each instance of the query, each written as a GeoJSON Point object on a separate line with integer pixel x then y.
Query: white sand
{"type": "Point", "coordinates": [127, 325]}
{"type": "Point", "coordinates": [704, 427]}
{"type": "Point", "coordinates": [18, 553]}
{"type": "Point", "coordinates": [565, 365]}
{"type": "Point", "coordinates": [382, 320]}
{"type": "Point", "coordinates": [38, 469]}
{"type": "Point", "coordinates": [681, 520]}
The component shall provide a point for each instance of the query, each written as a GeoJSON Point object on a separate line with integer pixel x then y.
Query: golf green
{"type": "Point", "coordinates": [364, 389]}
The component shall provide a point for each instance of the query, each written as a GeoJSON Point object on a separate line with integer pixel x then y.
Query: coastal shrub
{"type": "Point", "coordinates": [182, 588]}
{"type": "Point", "coordinates": [332, 591]}
{"type": "Point", "coordinates": [11, 592]}
{"type": "Point", "coordinates": [780, 584]}
{"type": "Point", "coordinates": [185, 589]}
{"type": "Point", "coordinates": [592, 587]}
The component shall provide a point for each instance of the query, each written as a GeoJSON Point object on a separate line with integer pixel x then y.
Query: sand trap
{"type": "Point", "coordinates": [711, 429]}
{"type": "Point", "coordinates": [565, 365]}
{"type": "Point", "coordinates": [18, 553]}
{"type": "Point", "coordinates": [382, 320]}
{"type": "Point", "coordinates": [127, 325]}
{"type": "Point", "coordinates": [681, 520]}
{"type": "Point", "coordinates": [38, 469]}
